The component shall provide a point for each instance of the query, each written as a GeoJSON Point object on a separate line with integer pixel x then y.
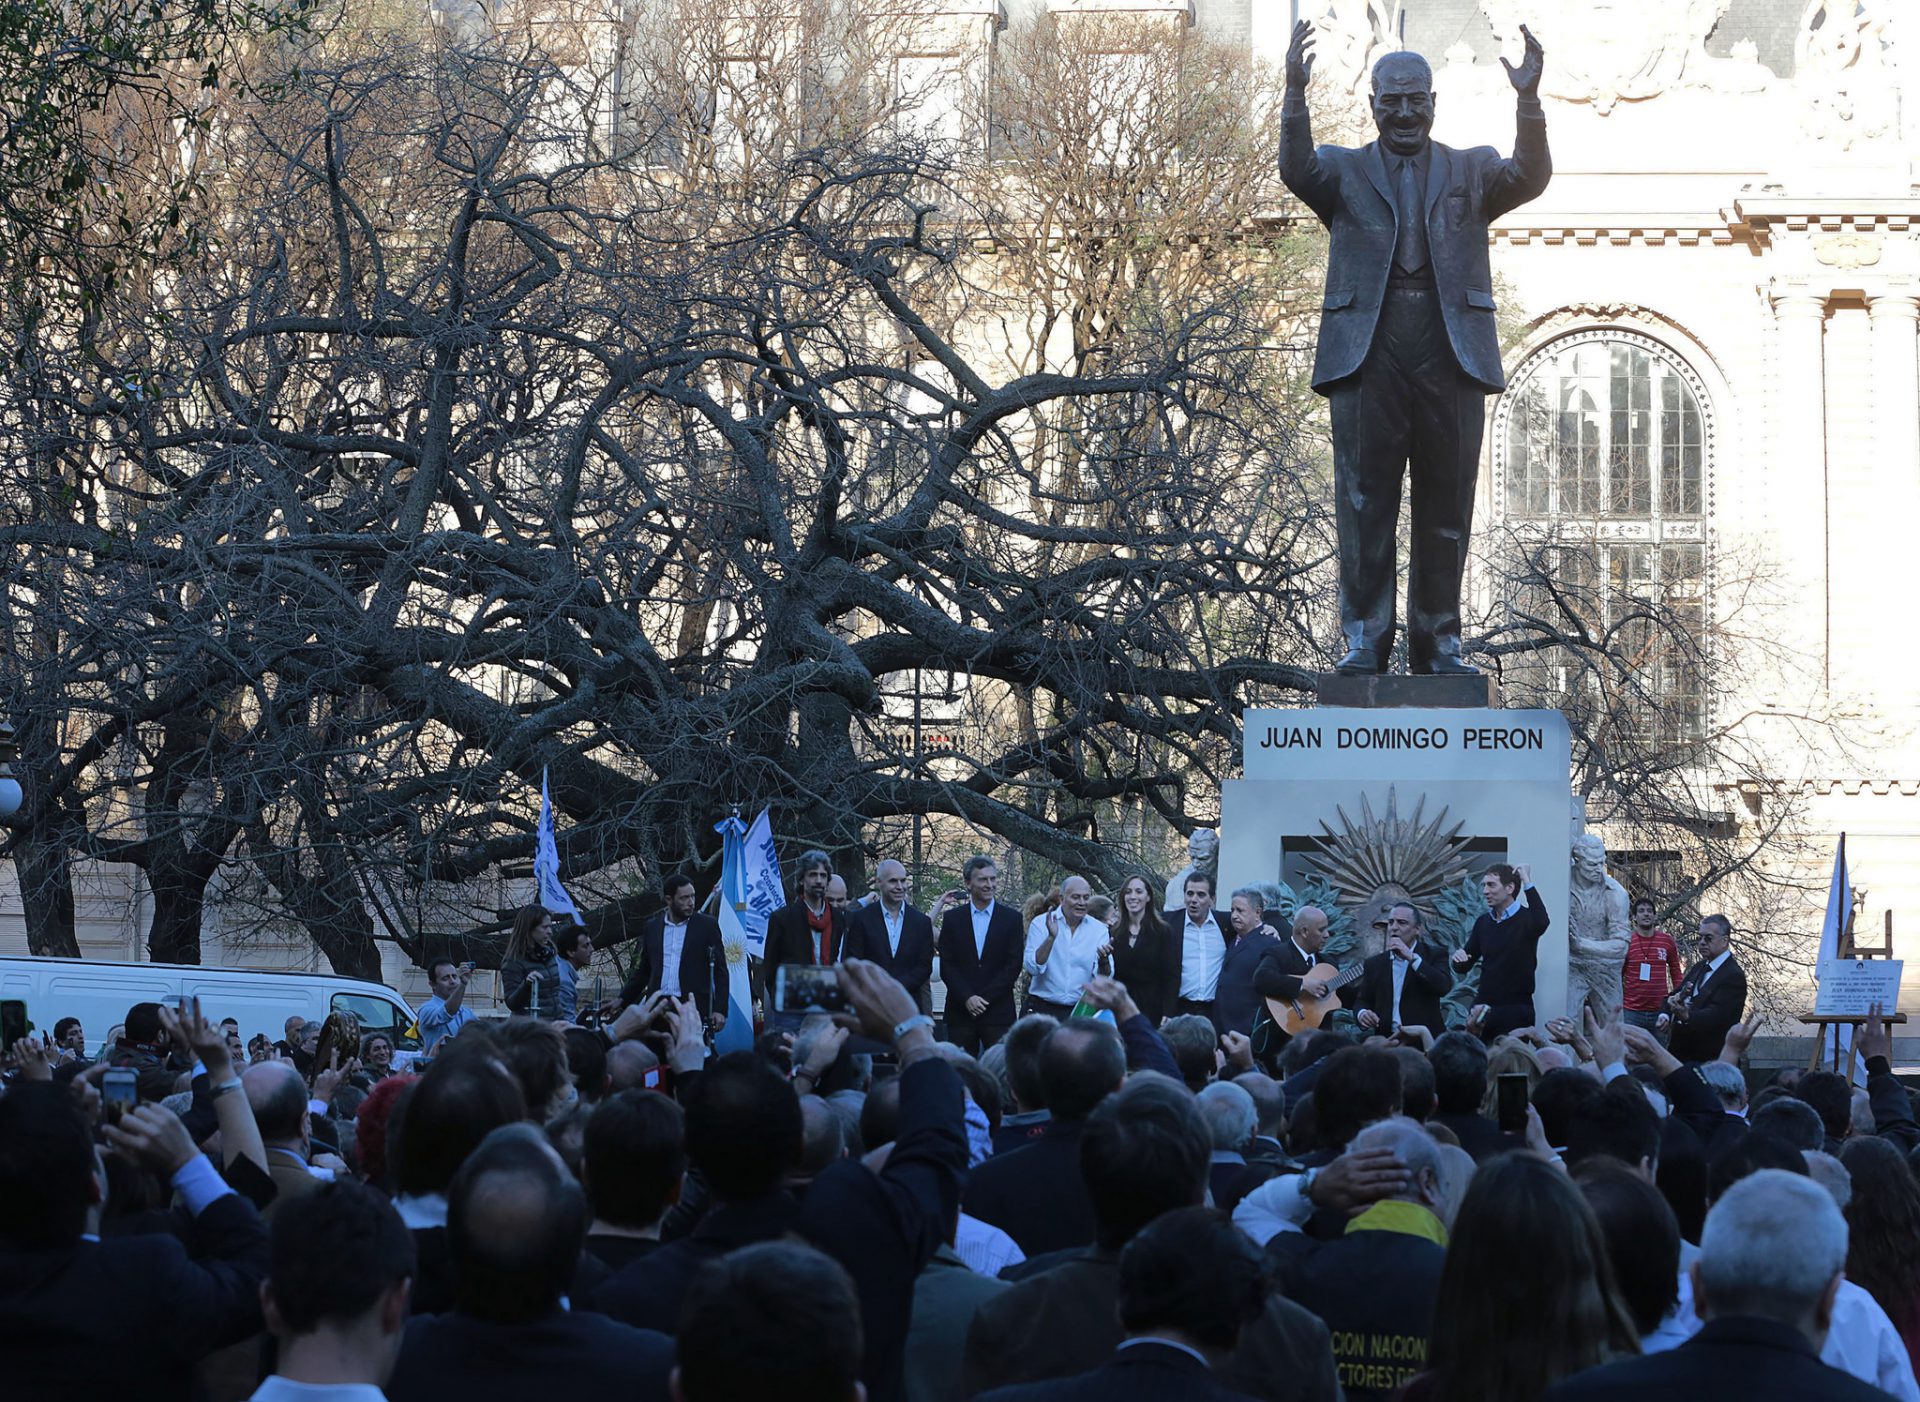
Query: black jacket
{"type": "Point", "coordinates": [1375, 1291]}
{"type": "Point", "coordinates": [1754, 1360]}
{"type": "Point", "coordinates": [1511, 949]}
{"type": "Point", "coordinates": [1282, 966]}
{"type": "Point", "coordinates": [1176, 922]}
{"type": "Point", "coordinates": [588, 1355]}
{"type": "Point", "coordinates": [913, 965]}
{"type": "Point", "coordinates": [1144, 1372]}
{"type": "Point", "coordinates": [1142, 967]}
{"type": "Point", "coordinates": [131, 1316]}
{"type": "Point", "coordinates": [1238, 1001]}
{"type": "Point", "coordinates": [790, 937]}
{"type": "Point", "coordinates": [1711, 1011]}
{"type": "Point", "coordinates": [1066, 1321]}
{"type": "Point", "coordinates": [968, 972]}
{"type": "Point", "coordinates": [703, 963]}
{"type": "Point", "coordinates": [1036, 1194]}
{"type": "Point", "coordinates": [516, 989]}
{"type": "Point", "coordinates": [1478, 1135]}
{"type": "Point", "coordinates": [882, 1228]}
{"type": "Point", "coordinates": [1420, 995]}
{"type": "Point", "coordinates": [1466, 190]}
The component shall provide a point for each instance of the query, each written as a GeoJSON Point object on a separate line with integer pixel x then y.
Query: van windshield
{"type": "Point", "coordinates": [379, 1015]}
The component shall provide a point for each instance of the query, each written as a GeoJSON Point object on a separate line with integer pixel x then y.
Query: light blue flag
{"type": "Point", "coordinates": [546, 861]}
{"type": "Point", "coordinates": [744, 857]}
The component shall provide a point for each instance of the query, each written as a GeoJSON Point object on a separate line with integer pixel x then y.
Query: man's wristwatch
{"type": "Point", "coordinates": [917, 1020]}
{"type": "Point", "coordinates": [215, 1092]}
{"type": "Point", "coordinates": [1306, 1183]}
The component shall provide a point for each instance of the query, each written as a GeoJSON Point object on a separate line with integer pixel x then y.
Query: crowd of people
{"type": "Point", "coordinates": [1113, 1168]}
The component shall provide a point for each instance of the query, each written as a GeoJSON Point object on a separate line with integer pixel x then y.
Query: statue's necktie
{"type": "Point", "coordinates": [1410, 248]}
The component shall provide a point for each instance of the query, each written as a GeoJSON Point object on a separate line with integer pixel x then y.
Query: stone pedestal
{"type": "Point", "coordinates": [1399, 689]}
{"type": "Point", "coordinates": [1364, 804]}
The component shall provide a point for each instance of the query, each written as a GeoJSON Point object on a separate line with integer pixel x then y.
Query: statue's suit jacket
{"type": "Point", "coordinates": [1352, 191]}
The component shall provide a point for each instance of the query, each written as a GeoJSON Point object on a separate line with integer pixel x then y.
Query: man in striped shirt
{"type": "Point", "coordinates": [1652, 970]}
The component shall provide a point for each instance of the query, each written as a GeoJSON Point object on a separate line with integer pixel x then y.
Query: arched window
{"type": "Point", "coordinates": [1603, 449]}
{"type": "Point", "coordinates": [1604, 425]}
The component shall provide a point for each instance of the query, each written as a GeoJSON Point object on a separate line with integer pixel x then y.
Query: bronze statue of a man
{"type": "Point", "coordinates": [1408, 351]}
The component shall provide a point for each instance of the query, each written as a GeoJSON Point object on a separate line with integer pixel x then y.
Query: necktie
{"type": "Point", "coordinates": [1410, 247]}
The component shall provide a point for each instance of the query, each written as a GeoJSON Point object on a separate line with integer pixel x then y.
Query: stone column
{"type": "Point", "coordinates": [1896, 379]}
{"type": "Point", "coordinates": [1890, 483]}
{"type": "Point", "coordinates": [1798, 494]}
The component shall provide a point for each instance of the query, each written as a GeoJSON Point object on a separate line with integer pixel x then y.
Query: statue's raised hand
{"type": "Point", "coordinates": [1525, 78]}
{"type": "Point", "coordinates": [1300, 57]}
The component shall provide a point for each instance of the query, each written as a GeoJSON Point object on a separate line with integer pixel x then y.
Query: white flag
{"type": "Point", "coordinates": [761, 888]}
{"type": "Point", "coordinates": [546, 861]}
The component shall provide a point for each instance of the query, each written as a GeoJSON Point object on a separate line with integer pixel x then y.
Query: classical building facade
{"type": "Point", "coordinates": [1715, 364]}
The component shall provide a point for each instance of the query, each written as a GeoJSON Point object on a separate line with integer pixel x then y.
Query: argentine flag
{"type": "Point", "coordinates": [749, 893]}
{"type": "Point", "coordinates": [1832, 935]}
{"type": "Point", "coordinates": [546, 861]}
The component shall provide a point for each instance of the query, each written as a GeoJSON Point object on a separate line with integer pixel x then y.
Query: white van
{"type": "Point", "coordinates": [100, 992]}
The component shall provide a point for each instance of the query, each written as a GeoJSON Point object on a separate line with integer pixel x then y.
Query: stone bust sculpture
{"type": "Point", "coordinates": [1203, 853]}
{"type": "Point", "coordinates": [1598, 928]}
{"type": "Point", "coordinates": [1408, 350]}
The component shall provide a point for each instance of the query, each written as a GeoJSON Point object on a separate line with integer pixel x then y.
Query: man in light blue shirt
{"type": "Point", "coordinates": [442, 1015]}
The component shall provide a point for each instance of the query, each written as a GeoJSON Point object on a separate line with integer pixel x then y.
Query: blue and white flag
{"type": "Point", "coordinates": [747, 856]}
{"type": "Point", "coordinates": [1832, 933]}
{"type": "Point", "coordinates": [546, 861]}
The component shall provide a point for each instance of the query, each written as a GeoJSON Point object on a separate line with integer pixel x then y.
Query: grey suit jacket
{"type": "Point", "coordinates": [1349, 188]}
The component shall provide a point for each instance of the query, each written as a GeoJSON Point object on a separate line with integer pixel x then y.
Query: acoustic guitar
{"type": "Point", "coordinates": [1302, 1013]}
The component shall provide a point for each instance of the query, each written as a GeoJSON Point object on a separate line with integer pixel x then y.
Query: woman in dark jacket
{"type": "Point", "coordinates": [1140, 957]}
{"type": "Point", "coordinates": [530, 974]}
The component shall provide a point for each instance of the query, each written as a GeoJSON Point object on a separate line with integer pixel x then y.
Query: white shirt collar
{"type": "Point", "coordinates": [1713, 964]}
{"type": "Point", "coordinates": [1192, 1353]}
{"type": "Point", "coordinates": [1192, 924]}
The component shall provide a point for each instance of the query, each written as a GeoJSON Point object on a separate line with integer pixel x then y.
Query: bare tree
{"type": "Point", "coordinates": [472, 449]}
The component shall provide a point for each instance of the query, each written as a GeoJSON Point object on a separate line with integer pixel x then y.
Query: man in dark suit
{"type": "Point", "coordinates": [277, 1095]}
{"type": "Point", "coordinates": [981, 949]}
{"type": "Point", "coordinates": [1285, 971]}
{"type": "Point", "coordinates": [130, 1316]}
{"type": "Point", "coordinates": [1403, 984]}
{"type": "Point", "coordinates": [1408, 347]}
{"type": "Point", "coordinates": [810, 930]}
{"type": "Point", "coordinates": [1508, 938]}
{"type": "Point", "coordinates": [1190, 1284]}
{"type": "Point", "coordinates": [516, 1219]}
{"type": "Point", "coordinates": [1236, 1004]}
{"type": "Point", "coordinates": [1145, 1154]}
{"type": "Point", "coordinates": [1036, 1194]}
{"type": "Point", "coordinates": [1198, 947]}
{"type": "Point", "coordinates": [1711, 998]}
{"type": "Point", "coordinates": [892, 934]}
{"type": "Point", "coordinates": [681, 940]}
{"type": "Point", "coordinates": [1772, 1259]}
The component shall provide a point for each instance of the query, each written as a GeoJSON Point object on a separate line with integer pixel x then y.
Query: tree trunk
{"type": "Point", "coordinates": [45, 872]}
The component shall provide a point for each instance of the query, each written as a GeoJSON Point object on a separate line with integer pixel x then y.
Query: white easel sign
{"type": "Point", "coordinates": [1850, 987]}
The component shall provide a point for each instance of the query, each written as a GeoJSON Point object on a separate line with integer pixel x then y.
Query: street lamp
{"type": "Point", "coordinates": [10, 794]}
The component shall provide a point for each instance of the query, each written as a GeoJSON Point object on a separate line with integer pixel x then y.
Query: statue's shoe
{"type": "Point", "coordinates": [1359, 663]}
{"type": "Point", "coordinates": [1444, 666]}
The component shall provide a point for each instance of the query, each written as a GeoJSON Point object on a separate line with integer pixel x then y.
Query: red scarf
{"type": "Point", "coordinates": [822, 927]}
